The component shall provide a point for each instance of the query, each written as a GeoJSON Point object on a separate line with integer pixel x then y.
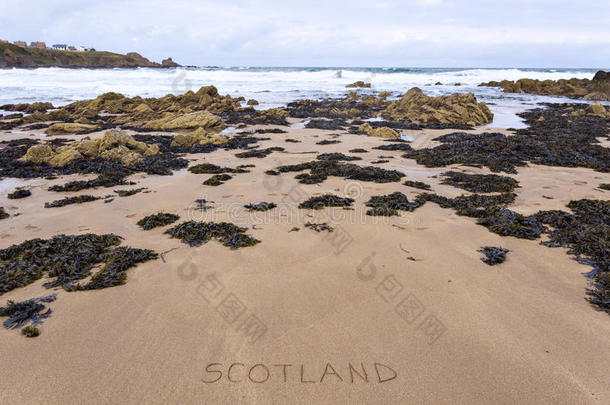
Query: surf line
{"type": "Point", "coordinates": [261, 373]}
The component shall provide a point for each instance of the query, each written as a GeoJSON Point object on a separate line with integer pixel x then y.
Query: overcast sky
{"type": "Point", "coordinates": [429, 33]}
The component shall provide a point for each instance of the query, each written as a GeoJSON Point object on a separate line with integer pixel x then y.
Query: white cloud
{"type": "Point", "coordinates": [413, 32]}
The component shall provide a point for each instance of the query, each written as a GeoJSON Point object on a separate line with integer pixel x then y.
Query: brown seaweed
{"type": "Point", "coordinates": [156, 220]}
{"type": "Point", "coordinates": [326, 200]}
{"type": "Point", "coordinates": [199, 233]}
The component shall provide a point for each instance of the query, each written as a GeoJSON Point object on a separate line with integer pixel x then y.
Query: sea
{"type": "Point", "coordinates": [277, 86]}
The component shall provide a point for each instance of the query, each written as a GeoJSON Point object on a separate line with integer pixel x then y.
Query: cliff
{"type": "Point", "coordinates": [14, 56]}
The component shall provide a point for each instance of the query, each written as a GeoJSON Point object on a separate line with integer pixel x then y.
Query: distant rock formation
{"type": "Point", "coordinates": [417, 107]}
{"type": "Point", "coordinates": [169, 63]}
{"type": "Point", "coordinates": [12, 56]}
{"type": "Point", "coordinates": [596, 89]}
{"type": "Point", "coordinates": [359, 83]}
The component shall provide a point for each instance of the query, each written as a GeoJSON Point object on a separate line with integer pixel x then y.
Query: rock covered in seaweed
{"type": "Point", "coordinates": [596, 89]}
{"type": "Point", "coordinates": [114, 145]}
{"type": "Point", "coordinates": [457, 108]}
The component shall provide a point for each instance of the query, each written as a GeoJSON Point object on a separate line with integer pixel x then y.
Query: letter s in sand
{"type": "Point", "coordinates": [207, 369]}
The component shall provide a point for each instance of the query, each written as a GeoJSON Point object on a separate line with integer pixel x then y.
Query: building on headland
{"type": "Point", "coordinates": [71, 48]}
{"type": "Point", "coordinates": [3, 41]}
{"type": "Point", "coordinates": [83, 49]}
{"type": "Point", "coordinates": [20, 43]}
{"type": "Point", "coordinates": [60, 47]}
{"type": "Point", "coordinates": [38, 44]}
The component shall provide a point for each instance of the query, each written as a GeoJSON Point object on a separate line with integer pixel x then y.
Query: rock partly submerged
{"type": "Point", "coordinates": [597, 88]}
{"type": "Point", "coordinates": [204, 110]}
{"type": "Point", "coordinates": [457, 108]}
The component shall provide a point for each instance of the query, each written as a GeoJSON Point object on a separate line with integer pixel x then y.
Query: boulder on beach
{"type": "Point", "coordinates": [173, 121]}
{"type": "Point", "coordinates": [67, 128]}
{"type": "Point", "coordinates": [359, 83]}
{"type": "Point", "coordinates": [382, 132]}
{"type": "Point", "coordinates": [416, 107]}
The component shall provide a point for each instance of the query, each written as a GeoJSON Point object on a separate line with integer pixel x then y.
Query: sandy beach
{"type": "Point", "coordinates": [395, 309]}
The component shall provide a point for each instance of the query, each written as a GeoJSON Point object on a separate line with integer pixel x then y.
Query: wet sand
{"type": "Point", "coordinates": [404, 295]}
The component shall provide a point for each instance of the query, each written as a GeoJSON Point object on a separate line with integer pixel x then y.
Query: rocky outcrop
{"type": "Point", "coordinates": [596, 109]}
{"type": "Point", "coordinates": [14, 56]}
{"type": "Point", "coordinates": [185, 113]}
{"type": "Point", "coordinates": [381, 132]}
{"type": "Point", "coordinates": [114, 145]}
{"type": "Point", "coordinates": [28, 108]}
{"type": "Point", "coordinates": [596, 89]}
{"type": "Point", "coordinates": [416, 107]}
{"type": "Point", "coordinates": [67, 128]}
{"type": "Point", "coordinates": [169, 63]}
{"type": "Point", "coordinates": [359, 83]}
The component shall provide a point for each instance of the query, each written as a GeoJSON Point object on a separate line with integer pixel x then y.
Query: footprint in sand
{"type": "Point", "coordinates": [580, 183]}
{"type": "Point", "coordinates": [6, 236]}
{"type": "Point", "coordinates": [32, 228]}
{"type": "Point", "coordinates": [130, 216]}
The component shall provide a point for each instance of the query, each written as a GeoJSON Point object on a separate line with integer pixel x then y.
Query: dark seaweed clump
{"type": "Point", "coordinates": [417, 184]}
{"type": "Point", "coordinates": [321, 169]}
{"type": "Point", "coordinates": [217, 180]}
{"type": "Point", "coordinates": [358, 150]}
{"type": "Point", "coordinates": [155, 220]}
{"type": "Point", "coordinates": [259, 153]}
{"type": "Point", "coordinates": [209, 168]}
{"type": "Point", "coordinates": [380, 161]}
{"type": "Point", "coordinates": [605, 186]}
{"type": "Point", "coordinates": [326, 200]}
{"type": "Point", "coordinates": [554, 138]}
{"type": "Point", "coordinates": [290, 140]}
{"type": "Point", "coordinates": [337, 156]}
{"type": "Point", "coordinates": [474, 205]}
{"type": "Point", "coordinates": [24, 312]}
{"type": "Point", "coordinates": [199, 233]}
{"type": "Point", "coordinates": [3, 214]}
{"type": "Point", "coordinates": [326, 124]}
{"type": "Point", "coordinates": [402, 146]}
{"type": "Point", "coordinates": [108, 179]}
{"type": "Point", "coordinates": [118, 261]}
{"type": "Point", "coordinates": [510, 223]}
{"type": "Point", "coordinates": [328, 142]}
{"type": "Point", "coordinates": [388, 205]}
{"type": "Point", "coordinates": [493, 255]}
{"type": "Point", "coordinates": [261, 206]}
{"type": "Point", "coordinates": [319, 227]}
{"type": "Point", "coordinates": [19, 193]}
{"type": "Point", "coordinates": [480, 183]}
{"type": "Point", "coordinates": [272, 173]}
{"type": "Point", "coordinates": [65, 259]}
{"type": "Point", "coordinates": [79, 199]}
{"type": "Point", "coordinates": [128, 193]}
